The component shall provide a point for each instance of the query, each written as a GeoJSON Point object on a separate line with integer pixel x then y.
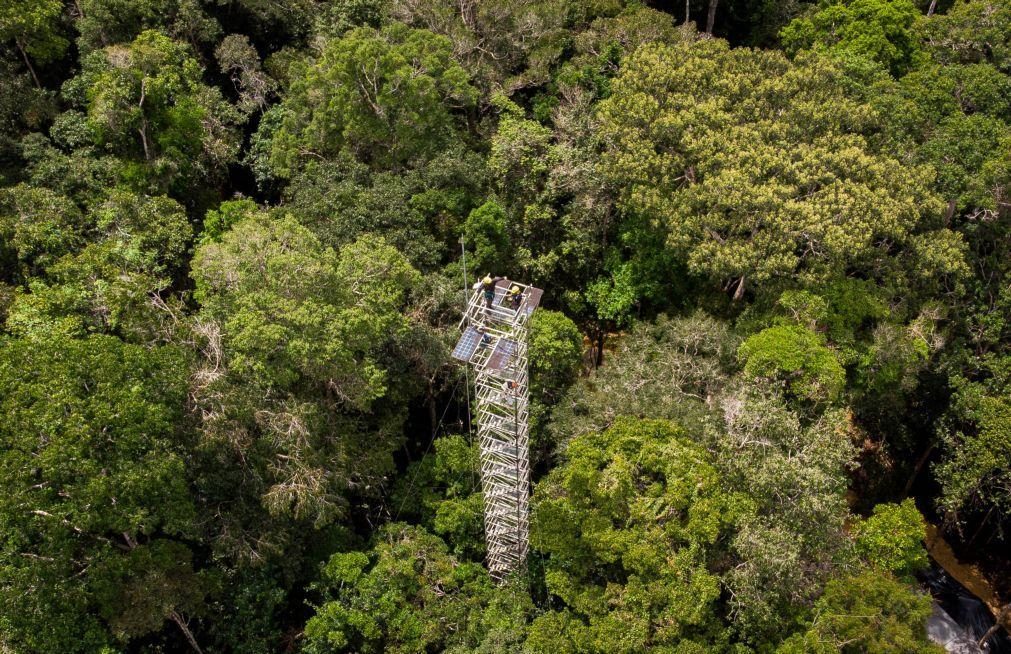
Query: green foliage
{"type": "Point", "coordinates": [977, 465]}
{"type": "Point", "coordinates": [521, 158]}
{"type": "Point", "coordinates": [795, 470]}
{"type": "Point", "coordinates": [237, 57]}
{"type": "Point", "coordinates": [881, 30]}
{"type": "Point", "coordinates": [102, 23]}
{"type": "Point", "coordinates": [146, 102]}
{"type": "Point", "coordinates": [868, 612]}
{"type": "Point", "coordinates": [674, 365]}
{"type": "Point", "coordinates": [556, 349]}
{"type": "Point", "coordinates": [556, 357]}
{"type": "Point", "coordinates": [510, 44]}
{"type": "Point", "coordinates": [796, 357]}
{"type": "Point", "coordinates": [419, 211]}
{"type": "Point", "coordinates": [296, 339]}
{"type": "Point", "coordinates": [219, 221]}
{"type": "Point", "coordinates": [34, 26]}
{"type": "Point", "coordinates": [407, 594]}
{"type": "Point", "coordinates": [246, 610]}
{"type": "Point", "coordinates": [137, 243]}
{"type": "Point", "coordinates": [442, 493]}
{"type": "Point", "coordinates": [892, 539]}
{"type": "Point", "coordinates": [628, 524]}
{"type": "Point", "coordinates": [958, 149]}
{"type": "Point", "coordinates": [291, 308]}
{"type": "Point", "coordinates": [37, 226]}
{"type": "Point", "coordinates": [23, 107]}
{"type": "Point", "coordinates": [388, 96]}
{"type": "Point", "coordinates": [755, 166]}
{"type": "Point", "coordinates": [342, 15]}
{"type": "Point", "coordinates": [95, 493]}
{"type": "Point", "coordinates": [607, 39]}
{"type": "Point", "coordinates": [210, 389]}
{"type": "Point", "coordinates": [972, 31]}
{"type": "Point", "coordinates": [485, 236]}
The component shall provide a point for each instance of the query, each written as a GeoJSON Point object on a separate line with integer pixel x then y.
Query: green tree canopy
{"type": "Point", "coordinates": [881, 30]}
{"type": "Point", "coordinates": [388, 96]}
{"type": "Point", "coordinates": [114, 283]}
{"type": "Point", "coordinates": [102, 23]}
{"type": "Point", "coordinates": [95, 494]}
{"type": "Point", "coordinates": [628, 525]}
{"type": "Point", "coordinates": [755, 167]}
{"type": "Point", "coordinates": [892, 539]}
{"type": "Point", "coordinates": [798, 358]}
{"type": "Point", "coordinates": [866, 613]}
{"type": "Point", "coordinates": [146, 102]}
{"type": "Point", "coordinates": [296, 385]}
{"type": "Point", "coordinates": [35, 28]}
{"type": "Point", "coordinates": [408, 594]}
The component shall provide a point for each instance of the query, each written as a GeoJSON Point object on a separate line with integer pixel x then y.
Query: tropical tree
{"type": "Point", "coordinates": [146, 102]}
{"type": "Point", "coordinates": [754, 168]}
{"type": "Point", "coordinates": [389, 96]}
{"type": "Point", "coordinates": [35, 28]}
{"type": "Point", "coordinates": [296, 387]}
{"type": "Point", "coordinates": [96, 509]}
{"type": "Point", "coordinates": [628, 526]}
{"type": "Point", "coordinates": [881, 30]}
{"type": "Point", "coordinates": [409, 594]}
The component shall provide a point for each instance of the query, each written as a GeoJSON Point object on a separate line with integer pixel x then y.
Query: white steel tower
{"type": "Point", "coordinates": [494, 341]}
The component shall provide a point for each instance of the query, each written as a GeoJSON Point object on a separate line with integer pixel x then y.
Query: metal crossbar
{"type": "Point", "coordinates": [495, 342]}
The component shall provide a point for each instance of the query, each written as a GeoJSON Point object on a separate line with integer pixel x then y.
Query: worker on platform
{"type": "Point", "coordinates": [514, 296]}
{"type": "Point", "coordinates": [488, 285]}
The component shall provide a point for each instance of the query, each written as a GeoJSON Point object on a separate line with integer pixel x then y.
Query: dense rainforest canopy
{"type": "Point", "coordinates": [775, 237]}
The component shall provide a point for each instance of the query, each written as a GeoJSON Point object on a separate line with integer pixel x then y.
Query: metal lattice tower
{"type": "Point", "coordinates": [494, 341]}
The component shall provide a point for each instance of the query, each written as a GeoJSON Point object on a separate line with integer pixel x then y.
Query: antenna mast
{"type": "Point", "coordinates": [494, 341]}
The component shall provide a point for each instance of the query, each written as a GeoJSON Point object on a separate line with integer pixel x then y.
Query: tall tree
{"type": "Point", "coordinates": [880, 30]}
{"type": "Point", "coordinates": [754, 169]}
{"type": "Point", "coordinates": [629, 524]}
{"type": "Point", "coordinates": [296, 390]}
{"type": "Point", "coordinates": [96, 506]}
{"type": "Point", "coordinates": [711, 16]}
{"type": "Point", "coordinates": [102, 23]}
{"type": "Point", "coordinates": [146, 102]}
{"type": "Point", "coordinates": [386, 96]}
{"type": "Point", "coordinates": [34, 27]}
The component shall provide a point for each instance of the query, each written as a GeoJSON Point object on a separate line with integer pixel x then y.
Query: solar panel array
{"type": "Point", "coordinates": [467, 345]}
{"type": "Point", "coordinates": [533, 300]}
{"type": "Point", "coordinates": [503, 355]}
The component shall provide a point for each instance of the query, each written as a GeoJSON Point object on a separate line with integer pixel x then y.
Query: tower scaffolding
{"type": "Point", "coordinates": [494, 342]}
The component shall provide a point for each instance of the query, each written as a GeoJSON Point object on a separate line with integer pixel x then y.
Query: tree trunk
{"type": "Point", "coordinates": [739, 292]}
{"type": "Point", "coordinates": [688, 10]}
{"type": "Point", "coordinates": [28, 63]}
{"type": "Point", "coordinates": [930, 10]}
{"type": "Point", "coordinates": [598, 356]}
{"type": "Point", "coordinates": [178, 619]}
{"type": "Point", "coordinates": [711, 19]}
{"type": "Point", "coordinates": [143, 141]}
{"type": "Point", "coordinates": [1003, 619]}
{"type": "Point", "coordinates": [433, 415]}
{"type": "Point", "coordinates": [143, 121]}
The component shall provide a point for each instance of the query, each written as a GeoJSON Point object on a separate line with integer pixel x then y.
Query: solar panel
{"type": "Point", "coordinates": [502, 355]}
{"type": "Point", "coordinates": [533, 299]}
{"type": "Point", "coordinates": [467, 345]}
